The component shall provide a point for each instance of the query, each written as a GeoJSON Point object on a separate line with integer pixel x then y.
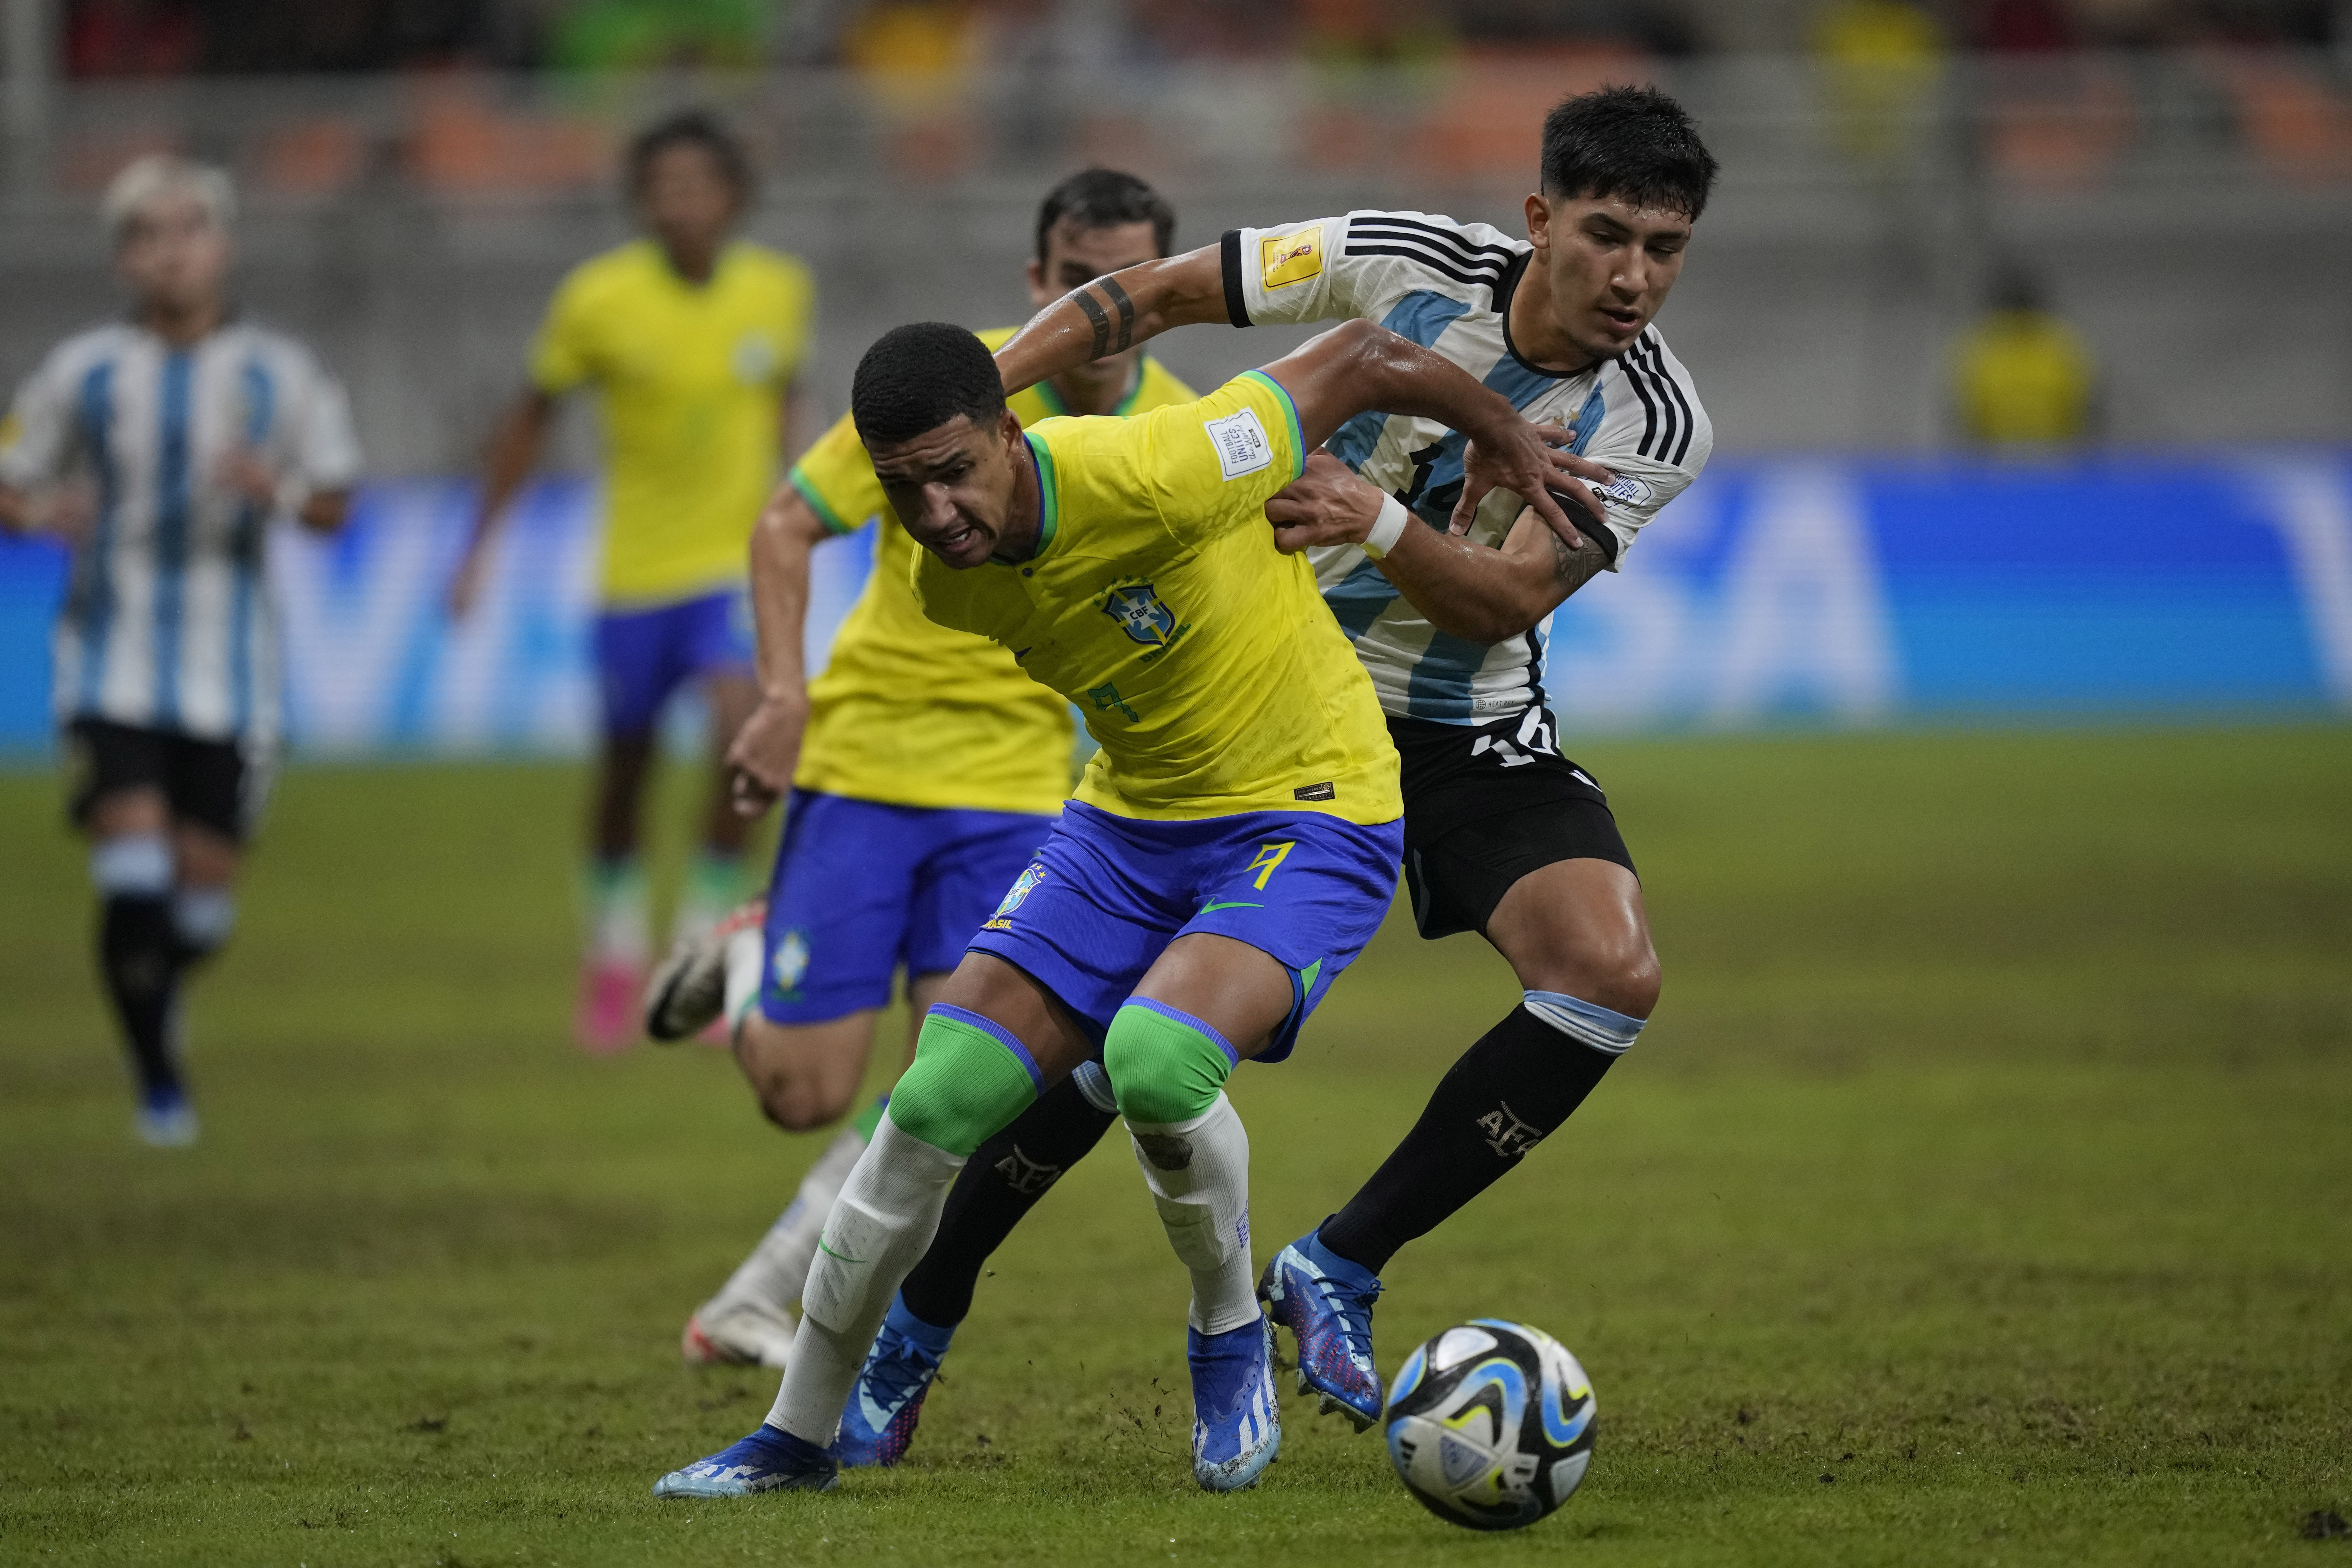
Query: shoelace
{"type": "Point", "coordinates": [898, 1373]}
{"type": "Point", "coordinates": [1355, 1330]}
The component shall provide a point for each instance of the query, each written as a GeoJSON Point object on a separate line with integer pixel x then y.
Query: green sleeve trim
{"type": "Point", "coordinates": [825, 514]}
{"type": "Point", "coordinates": [1049, 495]}
{"type": "Point", "coordinates": [1297, 436]}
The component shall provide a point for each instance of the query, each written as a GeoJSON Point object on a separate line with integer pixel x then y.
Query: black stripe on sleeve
{"type": "Point", "coordinates": [1229, 252]}
{"type": "Point", "coordinates": [1393, 226]}
{"type": "Point", "coordinates": [1646, 357]}
{"type": "Point", "coordinates": [1489, 279]}
{"type": "Point", "coordinates": [1649, 410]}
{"type": "Point", "coordinates": [1690, 420]}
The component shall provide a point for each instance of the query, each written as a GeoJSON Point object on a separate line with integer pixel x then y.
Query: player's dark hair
{"type": "Point", "coordinates": [1631, 142]}
{"type": "Point", "coordinates": [1104, 198]}
{"type": "Point", "coordinates": [688, 128]}
{"type": "Point", "coordinates": [916, 378]}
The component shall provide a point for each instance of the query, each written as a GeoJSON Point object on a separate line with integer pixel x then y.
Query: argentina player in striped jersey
{"type": "Point", "coordinates": [1444, 588]}
{"type": "Point", "coordinates": [159, 448]}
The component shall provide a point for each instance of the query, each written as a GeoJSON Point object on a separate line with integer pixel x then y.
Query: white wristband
{"type": "Point", "coordinates": [1387, 528]}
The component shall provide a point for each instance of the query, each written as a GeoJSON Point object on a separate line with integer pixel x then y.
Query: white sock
{"type": "Point", "coordinates": [885, 1216]}
{"type": "Point", "coordinates": [746, 953]}
{"type": "Point", "coordinates": [620, 930]}
{"type": "Point", "coordinates": [774, 1276]}
{"type": "Point", "coordinates": [1198, 1172]}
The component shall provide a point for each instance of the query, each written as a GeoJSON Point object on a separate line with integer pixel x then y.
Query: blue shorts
{"type": "Point", "coordinates": [1107, 894]}
{"type": "Point", "coordinates": [861, 889]}
{"type": "Point", "coordinates": [644, 656]}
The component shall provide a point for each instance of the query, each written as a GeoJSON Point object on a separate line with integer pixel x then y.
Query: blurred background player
{"type": "Point", "coordinates": [160, 449]}
{"type": "Point", "coordinates": [925, 769]}
{"type": "Point", "coordinates": [693, 342]}
{"type": "Point", "coordinates": [2021, 376]}
{"type": "Point", "coordinates": [1503, 834]}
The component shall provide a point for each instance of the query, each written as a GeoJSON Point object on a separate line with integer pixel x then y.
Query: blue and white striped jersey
{"type": "Point", "coordinates": [1447, 285]}
{"type": "Point", "coordinates": [167, 622]}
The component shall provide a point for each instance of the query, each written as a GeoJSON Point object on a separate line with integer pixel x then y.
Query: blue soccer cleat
{"type": "Point", "coordinates": [768, 1460]}
{"type": "Point", "coordinates": [878, 1424]}
{"type": "Point", "coordinates": [165, 1119]}
{"type": "Point", "coordinates": [1326, 1303]}
{"type": "Point", "coordinates": [1236, 1430]}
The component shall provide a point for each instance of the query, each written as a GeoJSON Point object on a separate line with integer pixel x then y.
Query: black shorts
{"type": "Point", "coordinates": [1486, 805]}
{"type": "Point", "coordinates": [217, 784]}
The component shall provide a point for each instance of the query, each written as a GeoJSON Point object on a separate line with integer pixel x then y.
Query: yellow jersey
{"type": "Point", "coordinates": [1202, 658]}
{"type": "Point", "coordinates": [906, 711]}
{"type": "Point", "coordinates": [2024, 378]}
{"type": "Point", "coordinates": [691, 379]}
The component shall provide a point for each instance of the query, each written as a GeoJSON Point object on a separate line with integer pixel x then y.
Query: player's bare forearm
{"type": "Point", "coordinates": [1358, 366]}
{"type": "Point", "coordinates": [15, 510]}
{"type": "Point", "coordinates": [515, 446]}
{"type": "Point", "coordinates": [788, 528]}
{"type": "Point", "coordinates": [766, 750]}
{"type": "Point", "coordinates": [1112, 314]}
{"type": "Point", "coordinates": [1467, 590]}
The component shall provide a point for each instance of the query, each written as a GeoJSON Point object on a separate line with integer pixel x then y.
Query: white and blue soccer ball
{"type": "Point", "coordinates": [1490, 1425]}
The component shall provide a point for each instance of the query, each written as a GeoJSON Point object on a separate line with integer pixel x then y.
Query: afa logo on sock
{"type": "Point", "coordinates": [791, 961]}
{"type": "Point", "coordinates": [1023, 886]}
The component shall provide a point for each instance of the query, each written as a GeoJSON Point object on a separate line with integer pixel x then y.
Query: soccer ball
{"type": "Point", "coordinates": [1490, 1425]}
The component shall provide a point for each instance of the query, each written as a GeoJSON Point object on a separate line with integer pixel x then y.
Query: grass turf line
{"type": "Point", "coordinates": [1981, 1195]}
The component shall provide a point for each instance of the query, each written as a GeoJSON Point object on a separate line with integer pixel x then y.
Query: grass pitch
{"type": "Point", "coordinates": [1982, 1194]}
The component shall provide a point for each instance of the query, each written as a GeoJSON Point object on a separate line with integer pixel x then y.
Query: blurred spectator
{"type": "Point", "coordinates": [131, 38]}
{"type": "Point", "coordinates": [1880, 60]}
{"type": "Point", "coordinates": [1634, 25]}
{"type": "Point", "coordinates": [2021, 375]}
{"type": "Point", "coordinates": [2022, 26]}
{"type": "Point", "coordinates": [625, 35]}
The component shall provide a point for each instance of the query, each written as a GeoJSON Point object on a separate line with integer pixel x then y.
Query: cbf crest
{"type": "Point", "coordinates": [1140, 615]}
{"type": "Point", "coordinates": [1023, 886]}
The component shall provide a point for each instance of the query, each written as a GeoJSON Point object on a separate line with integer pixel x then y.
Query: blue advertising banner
{"type": "Point", "coordinates": [1806, 591]}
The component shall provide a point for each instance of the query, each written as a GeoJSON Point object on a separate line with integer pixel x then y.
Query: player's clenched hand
{"type": "Point", "coordinates": [765, 752]}
{"type": "Point", "coordinates": [1328, 504]}
{"type": "Point", "coordinates": [1531, 462]}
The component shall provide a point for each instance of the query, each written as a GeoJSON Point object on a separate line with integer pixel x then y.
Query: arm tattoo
{"type": "Point", "coordinates": [1576, 567]}
{"type": "Point", "coordinates": [1126, 313]}
{"type": "Point", "coordinates": [1084, 297]}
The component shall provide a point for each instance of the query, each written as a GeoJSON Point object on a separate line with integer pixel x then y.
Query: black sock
{"type": "Point", "coordinates": [1518, 1083]}
{"type": "Point", "coordinates": [138, 954]}
{"type": "Point", "coordinates": [1002, 1181]}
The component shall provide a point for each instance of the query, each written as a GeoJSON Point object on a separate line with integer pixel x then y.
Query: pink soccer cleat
{"type": "Point", "coordinates": [605, 1022]}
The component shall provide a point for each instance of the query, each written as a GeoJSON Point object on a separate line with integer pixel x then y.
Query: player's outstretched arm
{"type": "Point", "coordinates": [1358, 367]}
{"type": "Point", "coordinates": [1114, 314]}
{"type": "Point", "coordinates": [767, 749]}
{"type": "Point", "coordinates": [1467, 590]}
{"type": "Point", "coordinates": [514, 452]}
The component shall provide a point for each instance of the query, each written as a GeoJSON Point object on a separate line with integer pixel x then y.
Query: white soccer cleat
{"type": "Point", "coordinates": [688, 989]}
{"type": "Point", "coordinates": [742, 1333]}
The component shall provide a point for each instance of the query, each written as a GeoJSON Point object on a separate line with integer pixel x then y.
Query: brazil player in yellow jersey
{"type": "Point", "coordinates": [692, 342]}
{"type": "Point", "coordinates": [924, 769]}
{"type": "Point", "coordinates": [1232, 846]}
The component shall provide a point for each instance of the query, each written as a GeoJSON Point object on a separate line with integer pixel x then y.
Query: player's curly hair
{"type": "Point", "coordinates": [1632, 143]}
{"type": "Point", "coordinates": [1105, 198]}
{"type": "Point", "coordinates": [918, 377]}
{"type": "Point", "coordinates": [688, 128]}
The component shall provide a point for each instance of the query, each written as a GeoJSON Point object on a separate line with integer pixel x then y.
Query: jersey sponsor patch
{"type": "Point", "coordinates": [1626, 490]}
{"type": "Point", "coordinates": [1241, 443]}
{"type": "Point", "coordinates": [1286, 258]}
